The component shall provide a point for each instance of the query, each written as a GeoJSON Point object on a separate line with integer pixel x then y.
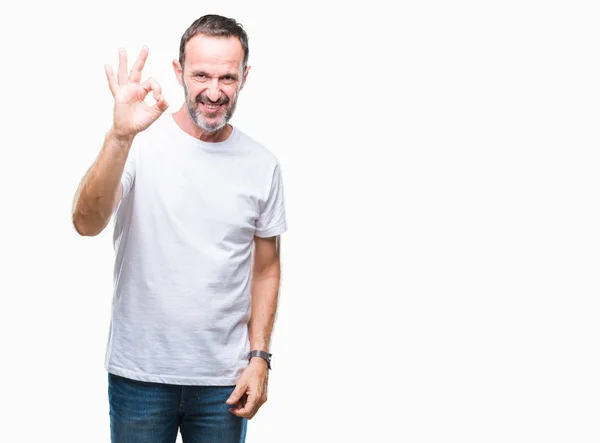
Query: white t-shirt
{"type": "Point", "coordinates": [183, 238]}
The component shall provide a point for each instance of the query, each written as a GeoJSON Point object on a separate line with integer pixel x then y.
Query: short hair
{"type": "Point", "coordinates": [215, 26]}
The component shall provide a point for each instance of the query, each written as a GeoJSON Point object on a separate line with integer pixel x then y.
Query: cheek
{"type": "Point", "coordinates": [194, 90]}
{"type": "Point", "coordinates": [231, 92]}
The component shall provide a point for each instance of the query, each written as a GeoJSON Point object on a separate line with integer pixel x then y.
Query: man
{"type": "Point", "coordinates": [199, 209]}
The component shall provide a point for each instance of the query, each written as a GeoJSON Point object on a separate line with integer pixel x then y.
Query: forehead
{"type": "Point", "coordinates": [215, 53]}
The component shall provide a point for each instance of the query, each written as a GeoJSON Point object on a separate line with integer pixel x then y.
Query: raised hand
{"type": "Point", "coordinates": [131, 114]}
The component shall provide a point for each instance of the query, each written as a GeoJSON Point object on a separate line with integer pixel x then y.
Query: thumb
{"type": "Point", "coordinates": [236, 394]}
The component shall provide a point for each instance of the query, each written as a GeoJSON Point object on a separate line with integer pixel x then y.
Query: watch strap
{"type": "Point", "coordinates": [262, 354]}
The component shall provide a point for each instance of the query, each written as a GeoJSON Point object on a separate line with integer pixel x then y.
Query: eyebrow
{"type": "Point", "coordinates": [229, 74]}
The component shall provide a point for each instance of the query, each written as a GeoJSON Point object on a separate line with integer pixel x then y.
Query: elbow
{"type": "Point", "coordinates": [84, 229]}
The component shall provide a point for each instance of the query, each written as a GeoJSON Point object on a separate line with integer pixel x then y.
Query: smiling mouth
{"type": "Point", "coordinates": [211, 107]}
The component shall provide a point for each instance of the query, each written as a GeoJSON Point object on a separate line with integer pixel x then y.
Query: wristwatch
{"type": "Point", "coordinates": [261, 354]}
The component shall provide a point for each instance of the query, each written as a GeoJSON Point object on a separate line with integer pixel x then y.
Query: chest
{"type": "Point", "coordinates": [213, 195]}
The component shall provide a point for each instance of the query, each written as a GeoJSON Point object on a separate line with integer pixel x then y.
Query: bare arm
{"type": "Point", "coordinates": [250, 392]}
{"type": "Point", "coordinates": [100, 190]}
{"type": "Point", "coordinates": [265, 291]}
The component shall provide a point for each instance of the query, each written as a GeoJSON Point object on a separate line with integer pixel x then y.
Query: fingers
{"type": "Point", "coordinates": [246, 409]}
{"type": "Point", "coordinates": [112, 81]}
{"type": "Point", "coordinates": [236, 395]}
{"type": "Point", "coordinates": [152, 85]}
{"type": "Point", "coordinates": [122, 66]}
{"type": "Point", "coordinates": [136, 70]}
{"type": "Point", "coordinates": [161, 102]}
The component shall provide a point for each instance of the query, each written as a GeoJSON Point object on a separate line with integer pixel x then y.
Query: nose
{"type": "Point", "coordinates": [213, 92]}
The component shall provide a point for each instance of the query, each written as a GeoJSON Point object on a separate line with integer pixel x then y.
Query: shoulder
{"type": "Point", "coordinates": [156, 135]}
{"type": "Point", "coordinates": [258, 151]}
{"type": "Point", "coordinates": [160, 126]}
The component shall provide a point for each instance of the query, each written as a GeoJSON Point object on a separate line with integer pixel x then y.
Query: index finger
{"type": "Point", "coordinates": [136, 71]}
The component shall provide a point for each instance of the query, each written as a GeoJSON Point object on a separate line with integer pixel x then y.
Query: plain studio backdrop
{"type": "Point", "coordinates": [440, 271]}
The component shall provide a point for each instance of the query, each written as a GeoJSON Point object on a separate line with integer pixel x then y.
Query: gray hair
{"type": "Point", "coordinates": [215, 26]}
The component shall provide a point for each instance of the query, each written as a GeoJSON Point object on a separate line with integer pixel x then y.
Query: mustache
{"type": "Point", "coordinates": [203, 98]}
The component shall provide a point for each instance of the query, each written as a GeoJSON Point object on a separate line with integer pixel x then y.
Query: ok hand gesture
{"type": "Point", "coordinates": [131, 114]}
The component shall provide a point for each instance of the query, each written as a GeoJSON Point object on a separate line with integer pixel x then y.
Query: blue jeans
{"type": "Point", "coordinates": [143, 412]}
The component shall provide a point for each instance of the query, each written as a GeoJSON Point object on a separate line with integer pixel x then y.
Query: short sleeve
{"type": "Point", "coordinates": [272, 221]}
{"type": "Point", "coordinates": [129, 170]}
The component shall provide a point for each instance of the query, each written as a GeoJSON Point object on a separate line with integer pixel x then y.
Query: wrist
{"type": "Point", "coordinates": [258, 361]}
{"type": "Point", "coordinates": [120, 137]}
{"type": "Point", "coordinates": [258, 356]}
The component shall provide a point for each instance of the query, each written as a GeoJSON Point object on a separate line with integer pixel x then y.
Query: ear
{"type": "Point", "coordinates": [245, 77]}
{"type": "Point", "coordinates": [178, 71]}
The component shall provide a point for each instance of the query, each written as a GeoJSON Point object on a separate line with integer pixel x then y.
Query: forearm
{"type": "Point", "coordinates": [96, 196]}
{"type": "Point", "coordinates": [265, 293]}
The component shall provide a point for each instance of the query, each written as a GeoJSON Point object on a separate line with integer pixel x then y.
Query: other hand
{"type": "Point", "coordinates": [250, 392]}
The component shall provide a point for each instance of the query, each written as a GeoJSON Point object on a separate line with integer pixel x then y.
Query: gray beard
{"type": "Point", "coordinates": [200, 121]}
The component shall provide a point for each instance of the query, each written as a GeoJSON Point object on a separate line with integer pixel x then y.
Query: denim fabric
{"type": "Point", "coordinates": [144, 412]}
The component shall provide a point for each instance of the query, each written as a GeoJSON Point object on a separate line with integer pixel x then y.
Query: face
{"type": "Point", "coordinates": [212, 77]}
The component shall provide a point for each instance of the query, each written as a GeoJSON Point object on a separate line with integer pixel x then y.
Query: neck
{"type": "Point", "coordinates": [185, 122]}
